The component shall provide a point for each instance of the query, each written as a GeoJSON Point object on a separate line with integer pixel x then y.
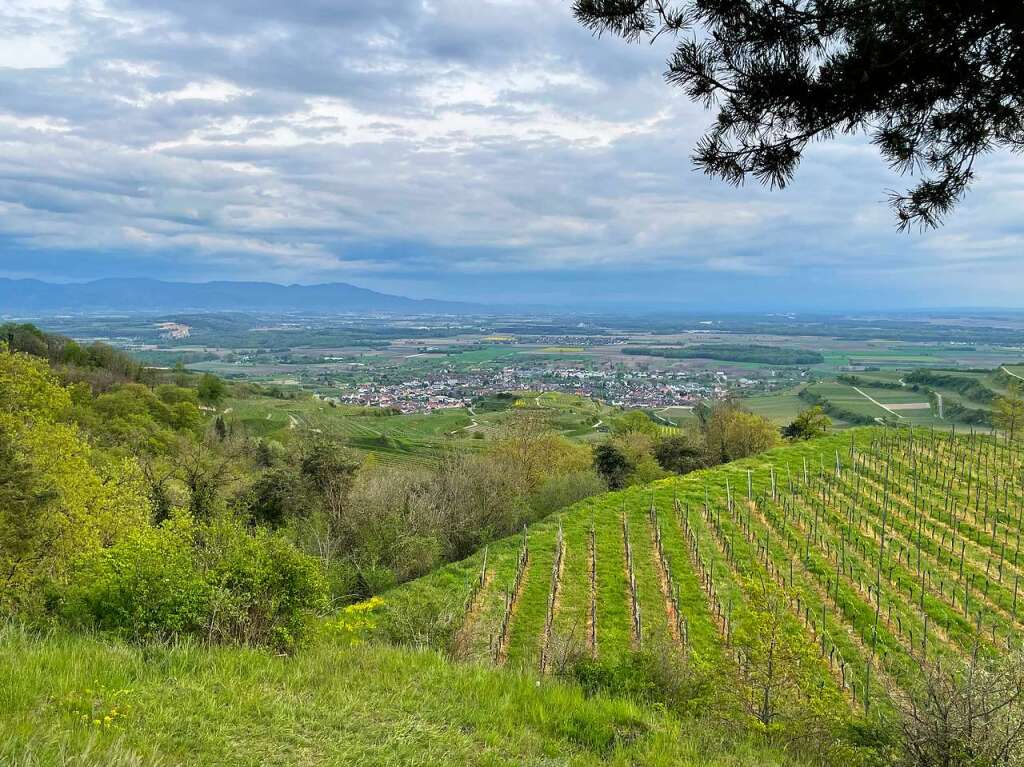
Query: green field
{"type": "Point", "coordinates": [946, 573]}
{"type": "Point", "coordinates": [779, 408]}
{"type": "Point", "coordinates": [328, 705]}
{"type": "Point", "coordinates": [415, 438]}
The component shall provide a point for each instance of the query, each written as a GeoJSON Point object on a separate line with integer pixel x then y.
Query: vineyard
{"type": "Point", "coordinates": [890, 549]}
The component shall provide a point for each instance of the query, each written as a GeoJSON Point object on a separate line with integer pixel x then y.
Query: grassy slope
{"type": "Point", "coordinates": [326, 706]}
{"type": "Point", "coordinates": [846, 607]}
{"type": "Point", "coordinates": [445, 590]}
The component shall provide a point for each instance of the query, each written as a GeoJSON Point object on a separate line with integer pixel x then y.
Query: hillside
{"type": "Point", "coordinates": [414, 439]}
{"type": "Point", "coordinates": [121, 295]}
{"type": "Point", "coordinates": [188, 705]}
{"type": "Point", "coordinates": [890, 549]}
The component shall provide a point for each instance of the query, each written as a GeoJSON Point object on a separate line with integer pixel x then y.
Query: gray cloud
{"type": "Point", "coordinates": [402, 139]}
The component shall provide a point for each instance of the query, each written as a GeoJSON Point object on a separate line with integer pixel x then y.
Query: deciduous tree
{"type": "Point", "coordinates": [809, 424]}
{"type": "Point", "coordinates": [1008, 411]}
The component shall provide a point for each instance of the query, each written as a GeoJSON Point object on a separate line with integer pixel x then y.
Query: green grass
{"type": "Point", "coordinates": [821, 535]}
{"type": "Point", "coordinates": [780, 408]}
{"type": "Point", "coordinates": [414, 439]}
{"type": "Point", "coordinates": [368, 705]}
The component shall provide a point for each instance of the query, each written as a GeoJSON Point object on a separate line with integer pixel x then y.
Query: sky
{"type": "Point", "coordinates": [481, 150]}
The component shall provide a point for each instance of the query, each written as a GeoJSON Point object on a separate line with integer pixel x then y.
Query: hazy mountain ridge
{"type": "Point", "coordinates": [131, 294]}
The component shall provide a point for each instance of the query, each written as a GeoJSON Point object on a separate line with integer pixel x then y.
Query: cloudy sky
{"type": "Point", "coordinates": [473, 149]}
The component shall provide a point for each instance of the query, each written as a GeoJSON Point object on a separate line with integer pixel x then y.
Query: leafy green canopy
{"type": "Point", "coordinates": [59, 497]}
{"type": "Point", "coordinates": [935, 83]}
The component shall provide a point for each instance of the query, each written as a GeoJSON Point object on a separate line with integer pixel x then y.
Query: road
{"type": "Point", "coordinates": [473, 423]}
{"type": "Point", "coordinates": [1011, 373]}
{"type": "Point", "coordinates": [872, 399]}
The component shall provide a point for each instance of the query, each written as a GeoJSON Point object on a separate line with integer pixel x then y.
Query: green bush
{"type": "Point", "coordinates": [653, 675]}
{"type": "Point", "coordinates": [148, 586]}
{"type": "Point", "coordinates": [218, 582]}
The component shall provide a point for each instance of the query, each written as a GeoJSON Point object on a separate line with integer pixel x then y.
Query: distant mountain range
{"type": "Point", "coordinates": [120, 295]}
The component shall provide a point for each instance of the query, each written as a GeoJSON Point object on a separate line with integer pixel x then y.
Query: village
{"type": "Point", "coordinates": [621, 387]}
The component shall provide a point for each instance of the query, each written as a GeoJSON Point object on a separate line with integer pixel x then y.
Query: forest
{"type": "Point", "coordinates": [768, 355]}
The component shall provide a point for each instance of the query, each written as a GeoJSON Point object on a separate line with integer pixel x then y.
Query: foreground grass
{"type": "Point", "coordinates": [367, 705]}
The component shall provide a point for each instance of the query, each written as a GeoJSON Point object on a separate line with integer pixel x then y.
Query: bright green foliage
{"type": "Point", "coordinates": [216, 581]}
{"type": "Point", "coordinates": [78, 501]}
{"type": "Point", "coordinates": [780, 669]}
{"type": "Point", "coordinates": [148, 586]}
{"type": "Point", "coordinates": [28, 388]}
{"type": "Point", "coordinates": [266, 590]}
{"type": "Point", "coordinates": [137, 417]}
{"type": "Point", "coordinates": [635, 421]}
{"type": "Point", "coordinates": [658, 676]}
{"type": "Point", "coordinates": [811, 423]}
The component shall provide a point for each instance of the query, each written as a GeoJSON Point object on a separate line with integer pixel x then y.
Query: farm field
{"type": "Point", "coordinates": [847, 398]}
{"type": "Point", "coordinates": [780, 408]}
{"type": "Point", "coordinates": [417, 438]}
{"type": "Point", "coordinates": [892, 548]}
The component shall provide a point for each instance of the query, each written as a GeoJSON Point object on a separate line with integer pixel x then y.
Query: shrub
{"type": "Point", "coordinates": [652, 675]}
{"type": "Point", "coordinates": [148, 586]}
{"type": "Point", "coordinates": [680, 454]}
{"type": "Point", "coordinates": [810, 423]}
{"type": "Point", "coordinates": [218, 582]}
{"type": "Point", "coordinates": [265, 589]}
{"type": "Point", "coordinates": [560, 491]}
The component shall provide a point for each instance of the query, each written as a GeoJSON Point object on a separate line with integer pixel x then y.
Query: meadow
{"type": "Point", "coordinates": [89, 702]}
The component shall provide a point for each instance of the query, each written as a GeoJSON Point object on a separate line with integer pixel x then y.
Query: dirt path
{"type": "Point", "coordinates": [592, 607]}
{"type": "Point", "coordinates": [872, 399]}
{"type": "Point", "coordinates": [1011, 373]}
{"type": "Point", "coordinates": [502, 652]}
{"type": "Point", "coordinates": [464, 636]}
{"type": "Point", "coordinates": [553, 608]}
{"type": "Point", "coordinates": [634, 600]}
{"type": "Point", "coordinates": [666, 589]}
{"type": "Point", "coordinates": [473, 423]}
